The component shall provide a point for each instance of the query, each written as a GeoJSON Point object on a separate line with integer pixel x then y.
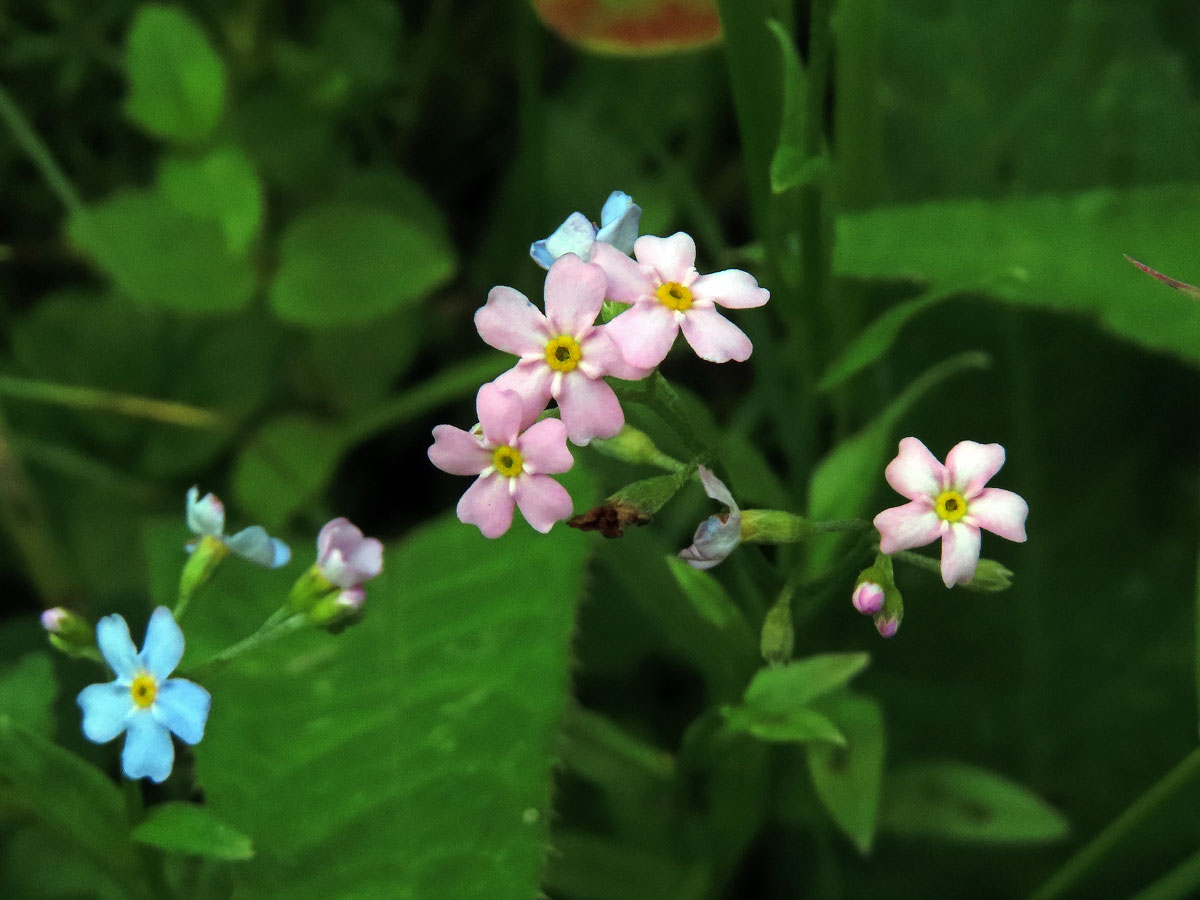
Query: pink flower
{"type": "Point", "coordinates": [949, 502]}
{"type": "Point", "coordinates": [563, 353]}
{"type": "Point", "coordinates": [513, 462]}
{"type": "Point", "coordinates": [868, 598]}
{"type": "Point", "coordinates": [345, 557]}
{"type": "Point", "coordinates": [668, 295]}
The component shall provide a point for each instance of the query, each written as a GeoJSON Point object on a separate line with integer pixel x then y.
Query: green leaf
{"type": "Point", "coordinates": [159, 255]}
{"type": "Point", "coordinates": [795, 726]}
{"type": "Point", "coordinates": [847, 779]}
{"type": "Point", "coordinates": [956, 801]}
{"type": "Point", "coordinates": [790, 168]}
{"type": "Point", "coordinates": [712, 603]}
{"type": "Point", "coordinates": [27, 689]}
{"type": "Point", "coordinates": [176, 79]}
{"type": "Point", "coordinates": [1066, 255]}
{"type": "Point", "coordinates": [596, 868]}
{"type": "Point", "coordinates": [842, 482]}
{"type": "Point", "coordinates": [220, 186]}
{"type": "Point", "coordinates": [195, 830]}
{"type": "Point", "coordinates": [346, 263]}
{"type": "Point", "coordinates": [72, 799]}
{"type": "Point", "coordinates": [410, 755]}
{"type": "Point", "coordinates": [784, 688]}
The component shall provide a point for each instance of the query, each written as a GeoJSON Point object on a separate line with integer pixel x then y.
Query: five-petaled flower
{"type": "Point", "coordinates": [513, 459]}
{"type": "Point", "coordinates": [668, 295]}
{"type": "Point", "coordinates": [206, 518]}
{"type": "Point", "coordinates": [949, 502]}
{"type": "Point", "coordinates": [563, 353]}
{"type": "Point", "coordinates": [347, 559]}
{"type": "Point", "coordinates": [719, 535]}
{"type": "Point", "coordinates": [618, 226]}
{"type": "Point", "coordinates": [143, 702]}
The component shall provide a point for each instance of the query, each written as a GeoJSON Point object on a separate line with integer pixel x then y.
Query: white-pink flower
{"type": "Point", "coordinates": [345, 557]}
{"type": "Point", "coordinates": [564, 354]}
{"type": "Point", "coordinates": [513, 462]}
{"type": "Point", "coordinates": [949, 502]}
{"type": "Point", "coordinates": [668, 295]}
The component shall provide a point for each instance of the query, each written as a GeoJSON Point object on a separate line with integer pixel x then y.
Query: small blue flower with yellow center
{"type": "Point", "coordinates": [143, 702]}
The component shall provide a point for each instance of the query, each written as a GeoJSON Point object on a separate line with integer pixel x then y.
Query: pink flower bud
{"type": "Point", "coordinates": [887, 626]}
{"type": "Point", "coordinates": [868, 598]}
{"type": "Point", "coordinates": [53, 619]}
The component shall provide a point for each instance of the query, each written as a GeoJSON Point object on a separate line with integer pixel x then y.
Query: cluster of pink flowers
{"type": "Point", "coordinates": [564, 355]}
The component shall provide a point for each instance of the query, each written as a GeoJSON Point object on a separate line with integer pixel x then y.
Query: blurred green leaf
{"type": "Point", "coordinates": [344, 263]}
{"type": "Point", "coordinates": [783, 688]}
{"type": "Point", "coordinates": [176, 79]}
{"type": "Point", "coordinates": [1064, 253]}
{"type": "Point", "coordinates": [27, 690]}
{"type": "Point", "coordinates": [72, 799]}
{"type": "Point", "coordinates": [847, 779]}
{"type": "Point", "coordinates": [956, 801]}
{"type": "Point", "coordinates": [412, 753]}
{"type": "Point", "coordinates": [712, 603]}
{"type": "Point", "coordinates": [794, 726]}
{"type": "Point", "coordinates": [221, 186]}
{"type": "Point", "coordinates": [159, 255]}
{"type": "Point", "coordinates": [195, 830]}
{"type": "Point", "coordinates": [589, 867]}
{"type": "Point", "coordinates": [789, 166]}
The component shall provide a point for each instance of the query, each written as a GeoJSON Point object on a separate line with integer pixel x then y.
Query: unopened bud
{"type": "Point", "coordinates": [310, 589]}
{"type": "Point", "coordinates": [774, 526]}
{"type": "Point", "coordinates": [339, 610]}
{"type": "Point", "coordinates": [69, 632]}
{"type": "Point", "coordinates": [990, 576]}
{"type": "Point", "coordinates": [886, 625]}
{"type": "Point", "coordinates": [868, 598]}
{"type": "Point", "coordinates": [778, 635]}
{"type": "Point", "coordinates": [634, 446]}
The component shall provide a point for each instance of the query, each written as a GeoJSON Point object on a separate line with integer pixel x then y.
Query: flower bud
{"type": "Point", "coordinates": [310, 588]}
{"type": "Point", "coordinates": [774, 526]}
{"type": "Point", "coordinates": [69, 632]}
{"type": "Point", "coordinates": [990, 576]}
{"type": "Point", "coordinates": [886, 625]}
{"type": "Point", "coordinates": [778, 635]}
{"type": "Point", "coordinates": [868, 597]}
{"type": "Point", "coordinates": [633, 446]}
{"type": "Point", "coordinates": [339, 610]}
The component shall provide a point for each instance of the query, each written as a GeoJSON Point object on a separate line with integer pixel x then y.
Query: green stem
{"type": "Point", "coordinates": [98, 399]}
{"type": "Point", "coordinates": [282, 622]}
{"type": "Point", "coordinates": [1120, 828]}
{"type": "Point", "coordinates": [657, 395]}
{"type": "Point", "coordinates": [1197, 627]}
{"type": "Point", "coordinates": [1180, 883]}
{"type": "Point", "coordinates": [38, 153]}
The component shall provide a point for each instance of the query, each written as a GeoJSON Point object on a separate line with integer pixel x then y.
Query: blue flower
{"type": "Point", "coordinates": [618, 226]}
{"type": "Point", "coordinates": [717, 536]}
{"type": "Point", "coordinates": [143, 702]}
{"type": "Point", "coordinates": [206, 517]}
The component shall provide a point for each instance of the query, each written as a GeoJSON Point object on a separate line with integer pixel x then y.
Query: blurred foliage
{"type": "Point", "coordinates": [281, 219]}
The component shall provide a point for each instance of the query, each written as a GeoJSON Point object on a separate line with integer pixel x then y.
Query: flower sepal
{"type": "Point", "coordinates": [339, 610]}
{"type": "Point", "coordinates": [778, 637]}
{"type": "Point", "coordinates": [775, 526]}
{"type": "Point", "coordinates": [70, 633]}
{"type": "Point", "coordinates": [990, 577]}
{"type": "Point", "coordinates": [634, 504]}
{"type": "Point", "coordinates": [634, 446]}
{"type": "Point", "coordinates": [309, 590]}
{"type": "Point", "coordinates": [208, 552]}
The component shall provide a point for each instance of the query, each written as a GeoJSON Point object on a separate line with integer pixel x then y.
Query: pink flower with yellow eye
{"type": "Point", "coordinates": [514, 461]}
{"type": "Point", "coordinates": [949, 502]}
{"type": "Point", "coordinates": [564, 354]}
{"type": "Point", "coordinates": [669, 296]}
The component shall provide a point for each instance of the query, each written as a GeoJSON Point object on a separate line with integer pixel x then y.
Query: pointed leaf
{"type": "Point", "coordinates": [847, 779]}
{"type": "Point", "coordinates": [784, 688]}
{"type": "Point", "coordinates": [794, 726]}
{"type": "Point", "coordinates": [194, 830]}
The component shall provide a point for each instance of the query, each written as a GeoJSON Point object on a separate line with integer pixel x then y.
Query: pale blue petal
{"type": "Point", "coordinates": [575, 235]}
{"type": "Point", "coordinates": [205, 516]}
{"type": "Point", "coordinates": [116, 646]}
{"type": "Point", "coordinates": [256, 545]}
{"type": "Point", "coordinates": [106, 708]}
{"type": "Point", "coordinates": [619, 220]}
{"type": "Point", "coordinates": [164, 644]}
{"type": "Point", "coordinates": [182, 706]}
{"type": "Point", "coordinates": [148, 751]}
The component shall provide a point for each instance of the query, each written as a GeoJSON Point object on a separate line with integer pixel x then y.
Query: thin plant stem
{"type": "Point", "coordinates": [1180, 883]}
{"type": "Point", "coordinates": [98, 399]}
{"type": "Point", "coordinates": [282, 622]}
{"type": "Point", "coordinates": [1120, 828]}
{"type": "Point", "coordinates": [39, 154]}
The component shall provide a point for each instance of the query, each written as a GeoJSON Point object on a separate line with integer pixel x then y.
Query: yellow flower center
{"type": "Point", "coordinates": [507, 461]}
{"type": "Point", "coordinates": [143, 690]}
{"type": "Point", "coordinates": [674, 295]}
{"type": "Point", "coordinates": [951, 506]}
{"type": "Point", "coordinates": [563, 353]}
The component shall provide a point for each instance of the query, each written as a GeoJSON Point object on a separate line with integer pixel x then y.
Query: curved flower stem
{"type": "Point", "coordinates": [1120, 828]}
{"type": "Point", "coordinates": [282, 622]}
{"type": "Point", "coordinates": [656, 394]}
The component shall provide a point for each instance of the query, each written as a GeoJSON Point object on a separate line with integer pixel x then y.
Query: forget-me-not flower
{"type": "Point", "coordinates": [618, 226]}
{"type": "Point", "coordinates": [206, 518]}
{"type": "Point", "coordinates": [143, 702]}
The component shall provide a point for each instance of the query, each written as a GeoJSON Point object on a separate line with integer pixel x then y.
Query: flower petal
{"type": "Point", "coordinates": [163, 648]}
{"type": "Point", "coordinates": [339, 533]}
{"type": "Point", "coordinates": [714, 540]}
{"type": "Point", "coordinates": [508, 321]}
{"type": "Point", "coordinates": [644, 334]}
{"type": "Point", "coordinates": [714, 337]}
{"type": "Point", "coordinates": [715, 487]}
{"type": "Point", "coordinates": [915, 473]}
{"type": "Point", "coordinates": [626, 280]}
{"type": "Point", "coordinates": [673, 258]}
{"type": "Point", "coordinates": [148, 751]}
{"type": "Point", "coordinates": [601, 356]}
{"type": "Point", "coordinates": [501, 413]}
{"type": "Point", "coordinates": [458, 452]}
{"type": "Point", "coordinates": [1000, 512]}
{"type": "Point", "coordinates": [574, 295]}
{"type": "Point", "coordinates": [205, 516]}
{"type": "Point", "coordinates": [488, 505]}
{"type": "Point", "coordinates": [116, 646]}
{"type": "Point", "coordinates": [574, 235]}
{"type": "Point", "coordinates": [589, 408]}
{"type": "Point", "coordinates": [619, 220]}
{"type": "Point", "coordinates": [904, 527]}
{"type": "Point", "coordinates": [970, 465]}
{"type": "Point", "coordinates": [960, 554]}
{"type": "Point", "coordinates": [182, 706]}
{"type": "Point", "coordinates": [531, 379]}
{"type": "Point", "coordinates": [256, 545]}
{"type": "Point", "coordinates": [106, 707]}
{"type": "Point", "coordinates": [731, 288]}
{"type": "Point", "coordinates": [544, 447]}
{"type": "Point", "coordinates": [543, 501]}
